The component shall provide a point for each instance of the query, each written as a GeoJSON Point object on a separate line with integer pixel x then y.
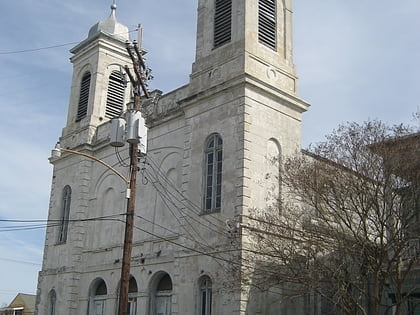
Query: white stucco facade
{"type": "Point", "coordinates": [244, 92]}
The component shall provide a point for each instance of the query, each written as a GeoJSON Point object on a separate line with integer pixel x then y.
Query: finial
{"type": "Point", "coordinates": [113, 7]}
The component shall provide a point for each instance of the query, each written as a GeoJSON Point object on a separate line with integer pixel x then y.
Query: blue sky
{"type": "Point", "coordinates": [356, 60]}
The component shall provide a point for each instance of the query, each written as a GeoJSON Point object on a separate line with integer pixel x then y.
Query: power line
{"type": "Point", "coordinates": [49, 47]}
{"type": "Point", "coordinates": [49, 223]}
{"type": "Point", "coordinates": [182, 199]}
{"type": "Point", "coordinates": [170, 199]}
{"type": "Point", "coordinates": [20, 261]}
{"type": "Point", "coordinates": [192, 206]}
{"type": "Point", "coordinates": [59, 220]}
{"type": "Point", "coordinates": [213, 254]}
{"type": "Point", "coordinates": [167, 199]}
{"type": "Point", "coordinates": [35, 49]}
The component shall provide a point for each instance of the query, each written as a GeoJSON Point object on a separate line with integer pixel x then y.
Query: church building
{"type": "Point", "coordinates": [212, 156]}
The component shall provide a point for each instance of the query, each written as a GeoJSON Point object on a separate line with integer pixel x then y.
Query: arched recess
{"type": "Point", "coordinates": [272, 174]}
{"type": "Point", "coordinates": [52, 300]}
{"type": "Point", "coordinates": [169, 184]}
{"type": "Point", "coordinates": [64, 215]}
{"type": "Point", "coordinates": [205, 295]}
{"type": "Point", "coordinates": [160, 294]}
{"type": "Point", "coordinates": [108, 203]}
{"type": "Point", "coordinates": [97, 297]}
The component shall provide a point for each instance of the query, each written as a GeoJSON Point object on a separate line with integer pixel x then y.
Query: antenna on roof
{"type": "Point", "coordinates": [139, 35]}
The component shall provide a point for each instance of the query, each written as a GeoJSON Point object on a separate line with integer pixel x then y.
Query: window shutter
{"type": "Point", "coordinates": [115, 97]}
{"type": "Point", "coordinates": [222, 22]}
{"type": "Point", "coordinates": [267, 23]}
{"type": "Point", "coordinates": [84, 97]}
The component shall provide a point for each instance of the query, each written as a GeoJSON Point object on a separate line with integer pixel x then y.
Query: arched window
{"type": "Point", "coordinates": [222, 22]}
{"type": "Point", "coordinates": [205, 296]}
{"type": "Point", "coordinates": [213, 173]}
{"type": "Point", "coordinates": [132, 296]}
{"type": "Point", "coordinates": [97, 299]}
{"type": "Point", "coordinates": [84, 97]}
{"type": "Point", "coordinates": [52, 298]}
{"type": "Point", "coordinates": [65, 213]}
{"type": "Point", "coordinates": [161, 302]}
{"type": "Point", "coordinates": [267, 23]}
{"type": "Point", "coordinates": [115, 97]}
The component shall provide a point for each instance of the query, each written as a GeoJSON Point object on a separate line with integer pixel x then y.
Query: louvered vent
{"type": "Point", "coordinates": [267, 23]}
{"type": "Point", "coordinates": [84, 97]}
{"type": "Point", "coordinates": [115, 97]}
{"type": "Point", "coordinates": [222, 22]}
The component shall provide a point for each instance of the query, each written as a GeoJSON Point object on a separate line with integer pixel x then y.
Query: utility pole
{"type": "Point", "coordinates": [139, 85]}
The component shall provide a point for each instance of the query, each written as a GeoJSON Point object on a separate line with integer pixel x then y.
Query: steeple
{"type": "Point", "coordinates": [99, 90]}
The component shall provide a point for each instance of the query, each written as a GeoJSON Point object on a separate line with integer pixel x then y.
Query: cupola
{"type": "Point", "coordinates": [110, 26]}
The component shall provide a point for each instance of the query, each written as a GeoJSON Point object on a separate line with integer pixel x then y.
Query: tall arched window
{"type": "Point", "coordinates": [205, 296]}
{"type": "Point", "coordinates": [52, 298]}
{"type": "Point", "coordinates": [161, 302]}
{"type": "Point", "coordinates": [97, 298]}
{"type": "Point", "coordinates": [84, 97]}
{"type": "Point", "coordinates": [213, 173]}
{"type": "Point", "coordinates": [65, 213]}
{"type": "Point", "coordinates": [222, 22]}
{"type": "Point", "coordinates": [267, 23]}
{"type": "Point", "coordinates": [115, 97]}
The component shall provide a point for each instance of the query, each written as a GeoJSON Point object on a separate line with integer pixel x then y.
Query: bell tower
{"type": "Point", "coordinates": [99, 88]}
{"type": "Point", "coordinates": [251, 37]}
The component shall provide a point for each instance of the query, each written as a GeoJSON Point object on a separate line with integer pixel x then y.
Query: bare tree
{"type": "Point", "coordinates": [347, 228]}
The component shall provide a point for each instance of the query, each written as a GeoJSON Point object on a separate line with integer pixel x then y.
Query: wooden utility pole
{"type": "Point", "coordinates": [138, 80]}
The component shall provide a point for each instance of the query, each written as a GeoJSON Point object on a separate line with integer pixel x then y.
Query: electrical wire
{"type": "Point", "coordinates": [35, 49]}
{"type": "Point", "coordinates": [193, 206]}
{"type": "Point", "coordinates": [170, 199]}
{"type": "Point", "coordinates": [180, 224]}
{"type": "Point", "coordinates": [160, 173]}
{"type": "Point", "coordinates": [20, 261]}
{"type": "Point", "coordinates": [167, 200]}
{"type": "Point", "coordinates": [181, 198]}
{"type": "Point", "coordinates": [211, 254]}
{"type": "Point", "coordinates": [172, 231]}
{"type": "Point", "coordinates": [49, 223]}
{"type": "Point", "coordinates": [50, 47]}
{"type": "Point", "coordinates": [120, 159]}
{"type": "Point", "coordinates": [215, 253]}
